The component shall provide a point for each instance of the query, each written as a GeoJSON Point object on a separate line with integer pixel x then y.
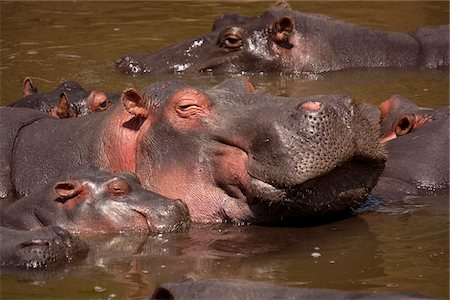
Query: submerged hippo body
{"type": "Point", "coordinates": [219, 289]}
{"type": "Point", "coordinates": [46, 247]}
{"type": "Point", "coordinates": [67, 100]}
{"type": "Point", "coordinates": [228, 153]}
{"type": "Point", "coordinates": [91, 201]}
{"type": "Point", "coordinates": [285, 41]}
{"type": "Point", "coordinates": [417, 142]}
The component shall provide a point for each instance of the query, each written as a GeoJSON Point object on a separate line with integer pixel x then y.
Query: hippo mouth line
{"type": "Point", "coordinates": [150, 226]}
{"type": "Point", "coordinates": [345, 186]}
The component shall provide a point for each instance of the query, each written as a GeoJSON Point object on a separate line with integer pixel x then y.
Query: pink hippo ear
{"type": "Point", "coordinates": [67, 189]}
{"type": "Point", "coordinates": [28, 87]}
{"type": "Point", "coordinates": [62, 110]}
{"type": "Point", "coordinates": [281, 30]}
{"type": "Point", "coordinates": [134, 103]}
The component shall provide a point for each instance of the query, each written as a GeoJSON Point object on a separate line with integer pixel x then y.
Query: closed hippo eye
{"type": "Point", "coordinates": [118, 187]}
{"type": "Point", "coordinates": [191, 102]}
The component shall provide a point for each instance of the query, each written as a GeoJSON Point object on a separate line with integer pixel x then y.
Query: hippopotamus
{"type": "Point", "coordinates": [67, 100]}
{"type": "Point", "coordinates": [285, 41]}
{"type": "Point", "coordinates": [241, 289]}
{"type": "Point", "coordinates": [41, 248]}
{"type": "Point", "coordinates": [227, 152]}
{"type": "Point", "coordinates": [91, 201]}
{"type": "Point", "coordinates": [417, 142]}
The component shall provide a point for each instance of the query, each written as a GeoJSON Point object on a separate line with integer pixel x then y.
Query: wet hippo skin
{"type": "Point", "coordinates": [281, 40]}
{"type": "Point", "coordinates": [230, 154]}
{"type": "Point", "coordinates": [42, 248]}
{"type": "Point", "coordinates": [238, 289]}
{"type": "Point", "coordinates": [67, 100]}
{"type": "Point", "coordinates": [91, 201]}
{"type": "Point", "coordinates": [417, 142]}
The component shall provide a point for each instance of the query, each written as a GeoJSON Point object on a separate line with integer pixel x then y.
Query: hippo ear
{"type": "Point", "coordinates": [63, 109]}
{"type": "Point", "coordinates": [98, 101]}
{"type": "Point", "coordinates": [67, 189]}
{"type": "Point", "coordinates": [28, 87]}
{"type": "Point", "coordinates": [134, 103]}
{"type": "Point", "coordinates": [281, 30]}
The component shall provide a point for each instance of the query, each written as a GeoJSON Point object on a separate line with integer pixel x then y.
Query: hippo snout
{"type": "Point", "coordinates": [172, 216]}
{"type": "Point", "coordinates": [128, 65]}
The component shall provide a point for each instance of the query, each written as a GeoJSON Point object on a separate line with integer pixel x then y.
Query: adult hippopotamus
{"type": "Point", "coordinates": [42, 248]}
{"type": "Point", "coordinates": [285, 41]}
{"type": "Point", "coordinates": [417, 141]}
{"type": "Point", "coordinates": [67, 100]}
{"type": "Point", "coordinates": [91, 201]}
{"type": "Point", "coordinates": [228, 153]}
{"type": "Point", "coordinates": [225, 289]}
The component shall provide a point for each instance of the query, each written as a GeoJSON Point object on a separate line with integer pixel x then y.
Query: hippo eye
{"type": "Point", "coordinates": [231, 38]}
{"type": "Point", "coordinates": [118, 187]}
{"type": "Point", "coordinates": [232, 41]}
{"type": "Point", "coordinates": [102, 106]}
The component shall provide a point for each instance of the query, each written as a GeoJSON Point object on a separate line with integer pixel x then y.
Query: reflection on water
{"type": "Point", "coordinates": [403, 248]}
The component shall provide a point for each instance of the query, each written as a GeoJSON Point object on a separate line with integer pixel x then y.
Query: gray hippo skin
{"type": "Point", "coordinates": [42, 248]}
{"type": "Point", "coordinates": [67, 100]}
{"type": "Point", "coordinates": [92, 201]}
{"type": "Point", "coordinates": [228, 153]}
{"type": "Point", "coordinates": [285, 41]}
{"type": "Point", "coordinates": [417, 142]}
{"type": "Point", "coordinates": [223, 289]}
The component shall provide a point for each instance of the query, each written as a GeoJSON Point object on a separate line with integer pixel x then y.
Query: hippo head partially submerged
{"type": "Point", "coordinates": [282, 40]}
{"type": "Point", "coordinates": [93, 201]}
{"type": "Point", "coordinates": [232, 154]}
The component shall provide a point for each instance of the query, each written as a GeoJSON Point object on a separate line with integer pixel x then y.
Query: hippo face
{"type": "Point", "coordinates": [231, 154]}
{"type": "Point", "coordinates": [236, 44]}
{"type": "Point", "coordinates": [99, 202]}
{"type": "Point", "coordinates": [68, 100]}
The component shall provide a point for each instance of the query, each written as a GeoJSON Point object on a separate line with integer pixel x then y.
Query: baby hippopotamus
{"type": "Point", "coordinates": [93, 201]}
{"type": "Point", "coordinates": [68, 100]}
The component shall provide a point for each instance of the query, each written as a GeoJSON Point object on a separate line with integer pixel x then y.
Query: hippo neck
{"type": "Point", "coordinates": [119, 141]}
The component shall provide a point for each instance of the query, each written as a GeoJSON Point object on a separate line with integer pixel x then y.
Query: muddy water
{"type": "Point", "coordinates": [404, 248]}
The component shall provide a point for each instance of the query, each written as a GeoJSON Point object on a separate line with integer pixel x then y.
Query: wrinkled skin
{"type": "Point", "coordinates": [96, 202]}
{"type": "Point", "coordinates": [238, 289]}
{"type": "Point", "coordinates": [43, 248]}
{"type": "Point", "coordinates": [285, 41]}
{"type": "Point", "coordinates": [417, 141]}
{"type": "Point", "coordinates": [228, 153]}
{"type": "Point", "coordinates": [68, 100]}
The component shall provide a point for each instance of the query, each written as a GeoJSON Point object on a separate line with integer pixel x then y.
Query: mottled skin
{"type": "Point", "coordinates": [93, 201]}
{"type": "Point", "coordinates": [285, 41]}
{"type": "Point", "coordinates": [228, 153]}
{"type": "Point", "coordinates": [67, 100]}
{"type": "Point", "coordinates": [417, 141]}
{"type": "Point", "coordinates": [42, 248]}
{"type": "Point", "coordinates": [219, 289]}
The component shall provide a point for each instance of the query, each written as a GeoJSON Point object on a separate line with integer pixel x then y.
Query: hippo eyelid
{"type": "Point", "coordinates": [118, 187]}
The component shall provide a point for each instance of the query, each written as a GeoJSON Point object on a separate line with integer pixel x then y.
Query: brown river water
{"type": "Point", "coordinates": [402, 248]}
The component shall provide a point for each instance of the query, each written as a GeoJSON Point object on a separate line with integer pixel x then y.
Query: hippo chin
{"type": "Point", "coordinates": [285, 41]}
{"type": "Point", "coordinates": [230, 154]}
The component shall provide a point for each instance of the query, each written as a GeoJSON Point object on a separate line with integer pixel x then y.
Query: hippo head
{"type": "Point", "coordinates": [236, 44]}
{"type": "Point", "coordinates": [232, 154]}
{"type": "Point", "coordinates": [97, 202]}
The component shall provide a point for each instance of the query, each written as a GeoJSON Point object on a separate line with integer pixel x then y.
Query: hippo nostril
{"type": "Point", "coordinates": [311, 105]}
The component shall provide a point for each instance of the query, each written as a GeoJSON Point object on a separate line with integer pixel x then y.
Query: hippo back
{"type": "Point", "coordinates": [12, 120]}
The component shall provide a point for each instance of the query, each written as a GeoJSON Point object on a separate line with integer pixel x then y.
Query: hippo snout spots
{"type": "Point", "coordinates": [310, 106]}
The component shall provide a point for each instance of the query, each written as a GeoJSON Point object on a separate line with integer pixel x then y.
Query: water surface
{"type": "Point", "coordinates": [404, 248]}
